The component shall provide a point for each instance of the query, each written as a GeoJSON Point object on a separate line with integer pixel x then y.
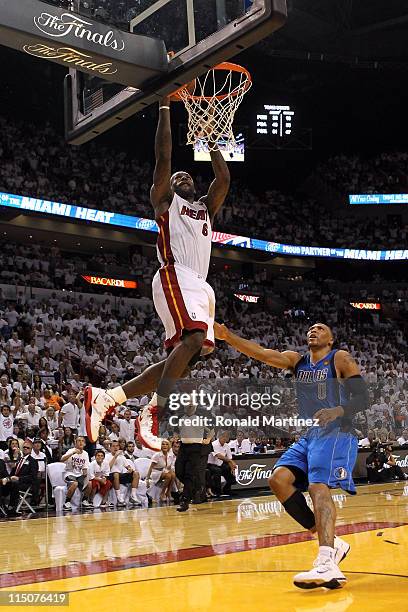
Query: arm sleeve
{"type": "Point", "coordinates": [357, 396]}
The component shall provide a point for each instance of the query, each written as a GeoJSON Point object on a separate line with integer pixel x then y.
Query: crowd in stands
{"type": "Point", "coordinates": [53, 344]}
{"type": "Point", "coordinates": [46, 266]}
{"type": "Point", "coordinates": [39, 163]}
{"type": "Point", "coordinates": [384, 173]}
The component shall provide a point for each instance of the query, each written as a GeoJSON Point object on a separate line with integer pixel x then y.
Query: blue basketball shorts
{"type": "Point", "coordinates": [325, 455]}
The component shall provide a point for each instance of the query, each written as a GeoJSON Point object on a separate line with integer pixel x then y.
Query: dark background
{"type": "Point", "coordinates": [342, 65]}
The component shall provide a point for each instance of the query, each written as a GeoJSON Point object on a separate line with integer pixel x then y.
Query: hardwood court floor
{"type": "Point", "coordinates": [231, 555]}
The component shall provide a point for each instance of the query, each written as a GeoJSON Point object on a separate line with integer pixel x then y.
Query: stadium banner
{"type": "Point", "coordinates": [253, 471]}
{"type": "Point", "coordinates": [66, 38]}
{"type": "Point", "coordinates": [378, 198]}
{"type": "Point", "coordinates": [365, 305]}
{"type": "Point", "coordinates": [81, 213]}
{"type": "Point", "coordinates": [110, 282]}
{"type": "Point", "coordinates": [252, 299]}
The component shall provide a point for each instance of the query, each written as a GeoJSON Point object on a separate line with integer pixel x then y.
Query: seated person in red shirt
{"type": "Point", "coordinates": [99, 478]}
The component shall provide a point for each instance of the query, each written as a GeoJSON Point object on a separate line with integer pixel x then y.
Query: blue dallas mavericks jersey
{"type": "Point", "coordinates": [317, 385]}
{"type": "Point", "coordinates": [325, 455]}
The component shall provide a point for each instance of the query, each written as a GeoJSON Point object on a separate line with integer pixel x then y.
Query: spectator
{"type": "Point", "coordinates": [115, 433]}
{"type": "Point", "coordinates": [12, 455]}
{"type": "Point", "coordinates": [370, 441]}
{"type": "Point", "coordinates": [236, 445]}
{"type": "Point", "coordinates": [6, 425]}
{"type": "Point", "coordinates": [142, 451]}
{"type": "Point", "coordinates": [22, 476]}
{"type": "Point", "coordinates": [51, 419]}
{"type": "Point", "coordinates": [248, 444]}
{"type": "Point", "coordinates": [66, 440]}
{"type": "Point", "coordinates": [122, 472]}
{"type": "Point", "coordinates": [31, 415]}
{"type": "Point", "coordinates": [161, 471]}
{"type": "Point", "coordinates": [68, 416]}
{"type": "Point", "coordinates": [99, 478]}
{"type": "Point", "coordinates": [391, 466]}
{"type": "Point", "coordinates": [126, 425]}
{"type": "Point", "coordinates": [57, 346]}
{"type": "Point", "coordinates": [39, 456]}
{"type": "Point", "coordinates": [220, 463]}
{"type": "Point", "coordinates": [403, 439]}
{"type": "Point", "coordinates": [76, 470]}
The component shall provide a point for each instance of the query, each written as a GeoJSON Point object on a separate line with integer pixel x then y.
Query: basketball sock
{"type": "Point", "coordinates": [118, 395]}
{"type": "Point", "coordinates": [133, 493]}
{"type": "Point", "coordinates": [161, 401]}
{"type": "Point", "coordinates": [298, 509]}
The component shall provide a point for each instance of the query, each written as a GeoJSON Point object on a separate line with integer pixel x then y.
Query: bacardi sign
{"type": "Point", "coordinates": [365, 305]}
{"type": "Point", "coordinates": [110, 282]}
{"type": "Point", "coordinates": [253, 299]}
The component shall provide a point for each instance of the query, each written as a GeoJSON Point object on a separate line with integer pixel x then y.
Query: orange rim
{"type": "Point", "coordinates": [223, 66]}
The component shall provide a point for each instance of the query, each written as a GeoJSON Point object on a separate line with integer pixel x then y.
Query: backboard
{"type": "Point", "coordinates": [201, 34]}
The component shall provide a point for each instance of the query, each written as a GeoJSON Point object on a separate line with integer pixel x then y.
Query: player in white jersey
{"type": "Point", "coordinates": [183, 299]}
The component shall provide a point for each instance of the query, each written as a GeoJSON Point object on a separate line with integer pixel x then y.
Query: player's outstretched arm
{"type": "Point", "coordinates": [285, 360]}
{"type": "Point", "coordinates": [160, 195]}
{"type": "Point", "coordinates": [218, 190]}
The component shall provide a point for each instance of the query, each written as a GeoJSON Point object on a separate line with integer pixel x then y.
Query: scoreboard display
{"type": "Point", "coordinates": [275, 120]}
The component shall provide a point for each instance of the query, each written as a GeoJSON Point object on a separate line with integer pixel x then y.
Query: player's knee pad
{"type": "Point", "coordinates": [296, 506]}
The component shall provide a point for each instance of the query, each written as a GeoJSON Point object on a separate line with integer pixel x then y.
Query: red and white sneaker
{"type": "Point", "coordinates": [97, 403]}
{"type": "Point", "coordinates": [148, 426]}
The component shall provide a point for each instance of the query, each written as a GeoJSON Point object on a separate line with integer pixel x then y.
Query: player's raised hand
{"type": "Point", "coordinates": [327, 415]}
{"type": "Point", "coordinates": [220, 331]}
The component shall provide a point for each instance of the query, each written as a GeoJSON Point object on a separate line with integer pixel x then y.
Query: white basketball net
{"type": "Point", "coordinates": [212, 105]}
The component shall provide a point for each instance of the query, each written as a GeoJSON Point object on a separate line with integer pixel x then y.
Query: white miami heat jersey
{"type": "Point", "coordinates": [185, 236]}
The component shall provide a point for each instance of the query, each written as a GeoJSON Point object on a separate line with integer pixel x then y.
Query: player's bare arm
{"type": "Point", "coordinates": [348, 371]}
{"type": "Point", "coordinates": [285, 360]}
{"type": "Point", "coordinates": [218, 190]}
{"type": "Point", "coordinates": [160, 193]}
{"type": "Point", "coordinates": [346, 365]}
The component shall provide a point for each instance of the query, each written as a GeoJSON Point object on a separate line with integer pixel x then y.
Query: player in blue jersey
{"type": "Point", "coordinates": [331, 390]}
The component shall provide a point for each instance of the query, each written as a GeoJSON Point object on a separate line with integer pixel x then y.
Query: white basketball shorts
{"type": "Point", "coordinates": [184, 301]}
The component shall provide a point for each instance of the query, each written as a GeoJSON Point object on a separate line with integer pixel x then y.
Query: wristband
{"type": "Point", "coordinates": [164, 107]}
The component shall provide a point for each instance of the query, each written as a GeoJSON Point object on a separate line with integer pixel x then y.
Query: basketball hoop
{"type": "Point", "coordinates": [212, 101]}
